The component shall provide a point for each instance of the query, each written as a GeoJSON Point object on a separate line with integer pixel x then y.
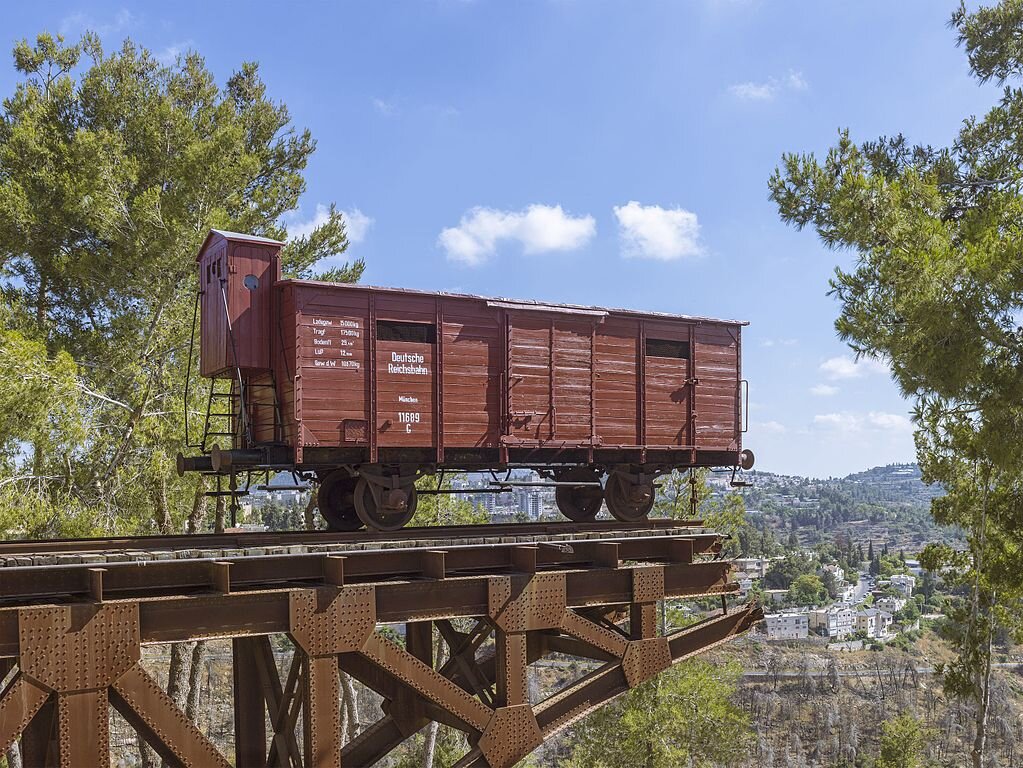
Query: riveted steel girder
{"type": "Point", "coordinates": [498, 610]}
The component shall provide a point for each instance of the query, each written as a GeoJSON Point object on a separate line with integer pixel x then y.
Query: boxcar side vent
{"type": "Point", "coordinates": [667, 348]}
{"type": "Point", "coordinates": [418, 333]}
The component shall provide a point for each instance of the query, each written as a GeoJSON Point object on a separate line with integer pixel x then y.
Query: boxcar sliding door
{"type": "Point", "coordinates": [550, 377]}
{"type": "Point", "coordinates": [529, 376]}
{"type": "Point", "coordinates": [667, 386]}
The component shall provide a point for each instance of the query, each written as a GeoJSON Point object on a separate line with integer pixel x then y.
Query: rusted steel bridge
{"type": "Point", "coordinates": [74, 616]}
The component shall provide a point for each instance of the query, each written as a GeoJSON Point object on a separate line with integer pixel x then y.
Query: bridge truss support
{"type": "Point", "coordinates": [499, 609]}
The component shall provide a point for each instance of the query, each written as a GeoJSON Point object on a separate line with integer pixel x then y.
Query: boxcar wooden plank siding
{"type": "Point", "coordinates": [717, 368]}
{"type": "Point", "coordinates": [360, 369]}
{"type": "Point", "coordinates": [569, 380]}
{"type": "Point", "coordinates": [237, 282]}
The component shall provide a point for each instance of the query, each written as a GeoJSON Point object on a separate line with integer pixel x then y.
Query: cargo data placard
{"type": "Point", "coordinates": [332, 342]}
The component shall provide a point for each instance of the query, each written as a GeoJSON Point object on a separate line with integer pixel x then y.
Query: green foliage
{"type": "Point", "coordinates": [808, 589]}
{"type": "Point", "coordinates": [902, 742]}
{"type": "Point", "coordinates": [113, 166]}
{"type": "Point", "coordinates": [445, 508]}
{"type": "Point", "coordinates": [937, 291]}
{"type": "Point", "coordinates": [722, 512]}
{"type": "Point", "coordinates": [282, 517]}
{"type": "Point", "coordinates": [674, 497]}
{"type": "Point", "coordinates": [829, 584]}
{"type": "Point", "coordinates": [784, 572]}
{"type": "Point", "coordinates": [684, 716]}
{"type": "Point", "coordinates": [40, 399]}
{"type": "Point", "coordinates": [449, 747]}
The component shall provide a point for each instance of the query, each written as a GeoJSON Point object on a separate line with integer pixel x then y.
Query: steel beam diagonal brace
{"type": "Point", "coordinates": [76, 659]}
{"type": "Point", "coordinates": [145, 706]}
{"type": "Point", "coordinates": [426, 681]}
{"type": "Point", "coordinates": [18, 705]}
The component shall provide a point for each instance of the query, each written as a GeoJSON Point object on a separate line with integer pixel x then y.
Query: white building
{"type": "Point", "coordinates": [836, 571]}
{"type": "Point", "coordinates": [776, 595]}
{"type": "Point", "coordinates": [884, 623]}
{"type": "Point", "coordinates": [914, 567]}
{"type": "Point", "coordinates": [745, 584]}
{"type": "Point", "coordinates": [755, 565]}
{"type": "Point", "coordinates": [904, 583]}
{"type": "Point", "coordinates": [787, 626]}
{"type": "Point", "coordinates": [847, 592]}
{"type": "Point", "coordinates": [834, 621]}
{"type": "Point", "coordinates": [535, 505]}
{"type": "Point", "coordinates": [890, 604]}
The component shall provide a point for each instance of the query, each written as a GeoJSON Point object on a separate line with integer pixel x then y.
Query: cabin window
{"type": "Point", "coordinates": [667, 348]}
{"type": "Point", "coordinates": [417, 333]}
{"type": "Point", "coordinates": [251, 282]}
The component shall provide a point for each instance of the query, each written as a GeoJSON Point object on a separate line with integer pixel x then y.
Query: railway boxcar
{"type": "Point", "coordinates": [367, 389]}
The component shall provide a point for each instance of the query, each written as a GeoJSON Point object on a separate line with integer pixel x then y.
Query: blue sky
{"type": "Point", "coordinates": [609, 153]}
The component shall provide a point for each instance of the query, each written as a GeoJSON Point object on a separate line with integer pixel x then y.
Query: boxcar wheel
{"type": "Point", "coordinates": [628, 501]}
{"type": "Point", "coordinates": [384, 518]}
{"type": "Point", "coordinates": [336, 501]}
{"type": "Point", "coordinates": [581, 502]}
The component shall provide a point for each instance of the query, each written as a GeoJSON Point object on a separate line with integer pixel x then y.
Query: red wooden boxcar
{"type": "Point", "coordinates": [369, 388]}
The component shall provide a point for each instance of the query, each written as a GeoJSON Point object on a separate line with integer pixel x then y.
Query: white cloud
{"type": "Point", "coordinates": [895, 422]}
{"type": "Point", "coordinates": [170, 54]}
{"type": "Point", "coordinates": [653, 232]}
{"type": "Point", "coordinates": [357, 224]}
{"type": "Point", "coordinates": [771, 427]}
{"type": "Point", "coordinates": [750, 91]}
{"type": "Point", "coordinates": [539, 228]}
{"type": "Point", "coordinates": [768, 89]}
{"type": "Point", "coordinates": [845, 367]}
{"type": "Point", "coordinates": [795, 81]}
{"type": "Point", "coordinates": [823, 390]}
{"type": "Point", "coordinates": [76, 23]}
{"type": "Point", "coordinates": [846, 422]}
{"type": "Point", "coordinates": [384, 107]}
{"type": "Point", "coordinates": [779, 342]}
{"type": "Point", "coordinates": [877, 421]}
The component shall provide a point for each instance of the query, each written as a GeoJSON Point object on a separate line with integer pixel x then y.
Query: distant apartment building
{"type": "Point", "coordinates": [890, 604]}
{"type": "Point", "coordinates": [847, 592]}
{"type": "Point", "coordinates": [884, 623]}
{"type": "Point", "coordinates": [787, 626]}
{"type": "Point", "coordinates": [745, 584]}
{"type": "Point", "coordinates": [904, 582]}
{"type": "Point", "coordinates": [776, 595]}
{"type": "Point", "coordinates": [873, 622]}
{"type": "Point", "coordinates": [754, 565]}
{"type": "Point", "coordinates": [834, 621]}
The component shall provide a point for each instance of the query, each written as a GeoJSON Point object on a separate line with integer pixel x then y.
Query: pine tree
{"type": "Point", "coordinates": [113, 166]}
{"type": "Point", "coordinates": [936, 292]}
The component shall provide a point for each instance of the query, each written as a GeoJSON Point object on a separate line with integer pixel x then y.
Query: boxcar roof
{"type": "Point", "coordinates": [235, 236]}
{"type": "Point", "coordinates": [526, 304]}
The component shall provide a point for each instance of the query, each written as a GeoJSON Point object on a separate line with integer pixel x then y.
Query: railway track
{"type": "Point", "coordinates": [24, 552]}
{"type": "Point", "coordinates": [417, 564]}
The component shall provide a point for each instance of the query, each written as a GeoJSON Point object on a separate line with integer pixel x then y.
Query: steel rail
{"type": "Point", "coordinates": [244, 540]}
{"type": "Point", "coordinates": [32, 584]}
{"type": "Point", "coordinates": [256, 605]}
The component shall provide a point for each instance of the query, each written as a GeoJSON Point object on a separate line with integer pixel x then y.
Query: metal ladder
{"type": "Point", "coordinates": [220, 422]}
